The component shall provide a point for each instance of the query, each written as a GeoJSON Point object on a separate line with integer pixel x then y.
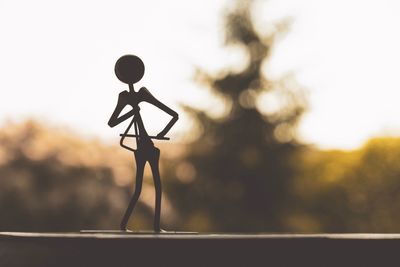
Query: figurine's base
{"type": "Point", "coordinates": [117, 248]}
{"type": "Point", "coordinates": [129, 232]}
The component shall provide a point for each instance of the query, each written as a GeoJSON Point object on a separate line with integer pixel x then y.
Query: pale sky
{"type": "Point", "coordinates": [57, 60]}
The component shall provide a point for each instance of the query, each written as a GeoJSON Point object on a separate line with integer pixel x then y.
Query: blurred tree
{"type": "Point", "coordinates": [236, 174]}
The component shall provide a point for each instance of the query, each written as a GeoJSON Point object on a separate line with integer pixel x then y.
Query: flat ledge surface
{"type": "Point", "coordinates": [115, 248]}
{"type": "Point", "coordinates": [187, 235]}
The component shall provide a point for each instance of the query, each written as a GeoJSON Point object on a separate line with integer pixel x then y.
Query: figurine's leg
{"type": "Point", "coordinates": [140, 162]}
{"type": "Point", "coordinates": [157, 184]}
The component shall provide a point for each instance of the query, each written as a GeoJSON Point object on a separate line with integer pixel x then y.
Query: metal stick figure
{"type": "Point", "coordinates": [130, 69]}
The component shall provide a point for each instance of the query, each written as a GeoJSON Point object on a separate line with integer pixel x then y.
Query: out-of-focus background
{"type": "Point", "coordinates": [288, 114]}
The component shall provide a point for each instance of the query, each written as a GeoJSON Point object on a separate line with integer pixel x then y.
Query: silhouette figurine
{"type": "Point", "coordinates": [130, 69]}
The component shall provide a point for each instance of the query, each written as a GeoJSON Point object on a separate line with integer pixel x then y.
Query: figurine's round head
{"type": "Point", "coordinates": [129, 69]}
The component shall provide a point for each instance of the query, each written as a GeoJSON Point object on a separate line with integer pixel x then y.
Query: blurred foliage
{"type": "Point", "coordinates": [353, 191]}
{"type": "Point", "coordinates": [51, 179]}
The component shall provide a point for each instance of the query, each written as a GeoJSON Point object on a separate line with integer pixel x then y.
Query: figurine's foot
{"type": "Point", "coordinates": [122, 227]}
{"type": "Point", "coordinates": [159, 230]}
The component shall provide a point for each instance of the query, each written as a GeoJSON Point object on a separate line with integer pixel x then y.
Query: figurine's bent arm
{"type": "Point", "coordinates": [121, 142]}
{"type": "Point", "coordinates": [148, 97]}
{"type": "Point", "coordinates": [114, 119]}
